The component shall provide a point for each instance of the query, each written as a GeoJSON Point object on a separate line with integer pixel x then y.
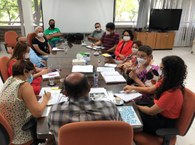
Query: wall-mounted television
{"type": "Point", "coordinates": [165, 19]}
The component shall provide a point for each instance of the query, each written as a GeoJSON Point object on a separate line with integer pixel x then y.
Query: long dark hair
{"type": "Point", "coordinates": [19, 50]}
{"type": "Point", "coordinates": [174, 73]}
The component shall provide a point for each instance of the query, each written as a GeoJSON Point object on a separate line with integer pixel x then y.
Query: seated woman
{"type": "Point", "coordinates": [145, 74]}
{"type": "Point", "coordinates": [124, 47]}
{"type": "Point", "coordinates": [18, 101]}
{"type": "Point", "coordinates": [130, 62]}
{"type": "Point", "coordinates": [168, 96]}
{"type": "Point", "coordinates": [34, 58]}
{"type": "Point", "coordinates": [21, 51]}
{"type": "Point", "coordinates": [40, 44]}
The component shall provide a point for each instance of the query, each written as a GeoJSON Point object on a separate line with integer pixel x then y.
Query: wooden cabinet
{"type": "Point", "coordinates": [157, 40]}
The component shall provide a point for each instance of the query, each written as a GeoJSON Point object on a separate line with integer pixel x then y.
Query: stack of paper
{"type": "Point", "coordinates": [51, 75]}
{"type": "Point", "coordinates": [128, 96]}
{"type": "Point", "coordinates": [56, 97]}
{"type": "Point", "coordinates": [82, 68]}
{"type": "Point", "coordinates": [113, 77]}
{"type": "Point", "coordinates": [129, 115]}
{"type": "Point", "coordinates": [99, 94]}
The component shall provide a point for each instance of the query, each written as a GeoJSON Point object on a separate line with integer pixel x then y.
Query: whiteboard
{"type": "Point", "coordinates": [73, 16]}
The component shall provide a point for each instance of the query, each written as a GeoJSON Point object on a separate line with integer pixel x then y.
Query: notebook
{"type": "Point", "coordinates": [129, 115]}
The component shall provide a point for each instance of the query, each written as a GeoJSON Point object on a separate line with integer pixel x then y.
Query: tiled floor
{"type": "Point", "coordinates": [185, 53]}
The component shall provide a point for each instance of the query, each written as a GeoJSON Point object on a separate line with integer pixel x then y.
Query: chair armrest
{"type": "Point", "coordinates": [167, 132]}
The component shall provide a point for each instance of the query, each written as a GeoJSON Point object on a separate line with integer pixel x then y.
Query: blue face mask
{"type": "Point", "coordinates": [30, 79]}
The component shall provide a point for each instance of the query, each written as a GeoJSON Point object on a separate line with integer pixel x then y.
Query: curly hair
{"type": "Point", "coordinates": [174, 73]}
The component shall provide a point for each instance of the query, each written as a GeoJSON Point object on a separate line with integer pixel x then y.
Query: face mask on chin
{"type": "Point", "coordinates": [40, 34]}
{"type": "Point", "coordinates": [30, 78]}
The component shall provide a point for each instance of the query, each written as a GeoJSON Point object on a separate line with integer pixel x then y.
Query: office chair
{"type": "Point", "coordinates": [10, 40]}
{"type": "Point", "coordinates": [3, 68]}
{"type": "Point", "coordinates": [30, 37]}
{"type": "Point", "coordinates": [6, 133]}
{"type": "Point", "coordinates": [168, 136]}
{"type": "Point", "coordinates": [96, 133]}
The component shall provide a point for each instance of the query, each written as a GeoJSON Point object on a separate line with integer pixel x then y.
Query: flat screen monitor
{"type": "Point", "coordinates": [165, 19]}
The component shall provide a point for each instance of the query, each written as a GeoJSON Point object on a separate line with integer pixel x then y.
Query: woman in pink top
{"type": "Point", "coordinates": [124, 47]}
{"type": "Point", "coordinates": [168, 96]}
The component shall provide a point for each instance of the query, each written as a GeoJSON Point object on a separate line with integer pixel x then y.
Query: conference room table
{"type": "Point", "coordinates": [63, 59]}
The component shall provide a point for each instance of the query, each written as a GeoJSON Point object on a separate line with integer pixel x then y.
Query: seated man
{"type": "Point", "coordinates": [79, 107]}
{"type": "Point", "coordinates": [109, 39]}
{"type": "Point", "coordinates": [53, 34]}
{"type": "Point", "coordinates": [97, 33]}
{"type": "Point", "coordinates": [34, 58]}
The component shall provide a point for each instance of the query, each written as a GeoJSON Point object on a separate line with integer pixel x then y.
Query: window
{"type": "Point", "coordinates": [37, 13]}
{"type": "Point", "coordinates": [9, 13]}
{"type": "Point", "coordinates": [126, 11]}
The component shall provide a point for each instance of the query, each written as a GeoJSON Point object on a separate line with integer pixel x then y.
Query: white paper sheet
{"type": "Point", "coordinates": [106, 69]}
{"type": "Point", "coordinates": [113, 77]}
{"type": "Point", "coordinates": [99, 94]}
{"type": "Point", "coordinates": [56, 97]}
{"type": "Point", "coordinates": [110, 65]}
{"type": "Point", "coordinates": [51, 75]}
{"type": "Point", "coordinates": [128, 96]}
{"type": "Point", "coordinates": [82, 68]}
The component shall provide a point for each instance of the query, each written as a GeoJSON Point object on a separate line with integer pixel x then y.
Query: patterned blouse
{"type": "Point", "coordinates": [14, 110]}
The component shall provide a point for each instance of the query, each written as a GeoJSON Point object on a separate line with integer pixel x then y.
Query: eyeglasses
{"type": "Point", "coordinates": [125, 35]}
{"type": "Point", "coordinates": [97, 27]}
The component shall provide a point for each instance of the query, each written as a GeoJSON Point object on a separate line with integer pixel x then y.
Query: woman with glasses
{"type": "Point", "coordinates": [168, 98]}
{"type": "Point", "coordinates": [18, 101]}
{"type": "Point", "coordinates": [124, 47]}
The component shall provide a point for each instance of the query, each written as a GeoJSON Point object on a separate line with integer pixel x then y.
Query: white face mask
{"type": "Point", "coordinates": [141, 61]}
{"type": "Point", "coordinates": [134, 50]}
{"type": "Point", "coordinates": [126, 38]}
{"type": "Point", "coordinates": [98, 29]}
{"type": "Point", "coordinates": [27, 55]}
{"type": "Point", "coordinates": [107, 32]}
{"type": "Point", "coordinates": [40, 34]}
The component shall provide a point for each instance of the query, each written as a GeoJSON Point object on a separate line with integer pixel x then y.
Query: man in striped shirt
{"type": "Point", "coordinates": [79, 107]}
{"type": "Point", "coordinates": [109, 39]}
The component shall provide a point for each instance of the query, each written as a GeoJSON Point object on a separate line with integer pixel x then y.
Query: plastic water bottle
{"type": "Point", "coordinates": [95, 79]}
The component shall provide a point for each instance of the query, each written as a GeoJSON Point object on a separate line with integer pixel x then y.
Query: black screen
{"type": "Point", "coordinates": [165, 19]}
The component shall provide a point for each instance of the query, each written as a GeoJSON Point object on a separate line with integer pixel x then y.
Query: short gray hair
{"type": "Point", "coordinates": [38, 28]}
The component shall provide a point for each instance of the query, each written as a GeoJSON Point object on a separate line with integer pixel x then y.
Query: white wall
{"type": "Point", "coordinates": [77, 15]}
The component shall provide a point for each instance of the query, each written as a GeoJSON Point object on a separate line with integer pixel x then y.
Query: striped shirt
{"type": "Point", "coordinates": [82, 109]}
{"type": "Point", "coordinates": [109, 41]}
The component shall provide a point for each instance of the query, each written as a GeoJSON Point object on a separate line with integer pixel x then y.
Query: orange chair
{"type": "Point", "coordinates": [168, 136]}
{"type": "Point", "coordinates": [96, 133]}
{"type": "Point", "coordinates": [10, 40]}
{"type": "Point", "coordinates": [3, 68]}
{"type": "Point", "coordinates": [30, 37]}
{"type": "Point", "coordinates": [6, 133]}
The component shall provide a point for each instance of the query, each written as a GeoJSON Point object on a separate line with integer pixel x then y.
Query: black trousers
{"type": "Point", "coordinates": [152, 123]}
